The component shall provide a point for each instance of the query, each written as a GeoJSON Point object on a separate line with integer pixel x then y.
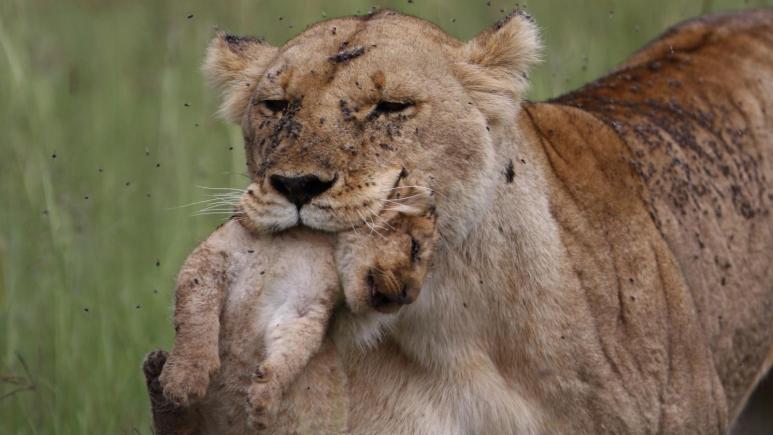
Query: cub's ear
{"type": "Point", "coordinates": [494, 65]}
{"type": "Point", "coordinates": [233, 64]}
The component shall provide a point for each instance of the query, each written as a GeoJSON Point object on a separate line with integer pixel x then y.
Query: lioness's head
{"type": "Point", "coordinates": [335, 119]}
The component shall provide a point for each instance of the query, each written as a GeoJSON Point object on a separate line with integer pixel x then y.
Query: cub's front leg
{"type": "Point", "coordinates": [168, 419]}
{"type": "Point", "coordinates": [198, 303]}
{"type": "Point", "coordinates": [294, 335]}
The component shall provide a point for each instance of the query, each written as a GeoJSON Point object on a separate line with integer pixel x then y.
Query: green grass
{"type": "Point", "coordinates": [112, 88]}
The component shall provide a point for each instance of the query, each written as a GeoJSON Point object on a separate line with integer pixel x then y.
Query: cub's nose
{"type": "Point", "coordinates": [300, 190]}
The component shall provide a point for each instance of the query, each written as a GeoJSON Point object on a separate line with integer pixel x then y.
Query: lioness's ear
{"type": "Point", "coordinates": [496, 62]}
{"type": "Point", "coordinates": [233, 64]}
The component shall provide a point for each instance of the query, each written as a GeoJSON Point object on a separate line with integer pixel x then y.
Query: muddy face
{"type": "Point", "coordinates": [341, 115]}
{"type": "Point", "coordinates": [337, 117]}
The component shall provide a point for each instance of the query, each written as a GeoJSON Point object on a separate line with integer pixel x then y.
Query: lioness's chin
{"type": "Point", "coordinates": [278, 219]}
{"type": "Point", "coordinates": [269, 220]}
{"type": "Point", "coordinates": [323, 220]}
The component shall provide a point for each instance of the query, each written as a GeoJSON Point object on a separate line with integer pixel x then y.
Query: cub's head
{"type": "Point", "coordinates": [336, 118]}
{"type": "Point", "coordinates": [383, 266]}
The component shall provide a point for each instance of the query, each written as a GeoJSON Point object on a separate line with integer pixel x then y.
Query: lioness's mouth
{"type": "Point", "coordinates": [362, 210]}
{"type": "Point", "coordinates": [283, 203]}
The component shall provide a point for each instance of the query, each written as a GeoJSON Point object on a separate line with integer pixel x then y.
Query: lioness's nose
{"type": "Point", "coordinates": [300, 190]}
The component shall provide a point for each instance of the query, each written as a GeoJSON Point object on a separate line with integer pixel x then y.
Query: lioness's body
{"type": "Point", "coordinates": [694, 115]}
{"type": "Point", "coordinates": [603, 263]}
{"type": "Point", "coordinates": [660, 315]}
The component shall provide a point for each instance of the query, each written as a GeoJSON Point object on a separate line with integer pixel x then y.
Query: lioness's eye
{"type": "Point", "coordinates": [275, 105]}
{"type": "Point", "coordinates": [392, 106]}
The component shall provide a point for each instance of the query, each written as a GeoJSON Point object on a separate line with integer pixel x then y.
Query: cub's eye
{"type": "Point", "coordinates": [392, 106]}
{"type": "Point", "coordinates": [275, 106]}
{"type": "Point", "coordinates": [415, 247]}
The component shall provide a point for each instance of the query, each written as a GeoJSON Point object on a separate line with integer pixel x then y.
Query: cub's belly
{"type": "Point", "coordinates": [317, 402]}
{"type": "Point", "coordinates": [241, 345]}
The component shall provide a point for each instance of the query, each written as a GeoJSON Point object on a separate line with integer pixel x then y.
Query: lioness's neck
{"type": "Point", "coordinates": [512, 253]}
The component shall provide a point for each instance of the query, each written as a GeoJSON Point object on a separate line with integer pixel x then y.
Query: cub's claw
{"type": "Point", "coordinates": [153, 365]}
{"type": "Point", "coordinates": [151, 368]}
{"type": "Point", "coordinates": [262, 373]}
{"type": "Point", "coordinates": [184, 382]}
{"type": "Point", "coordinates": [263, 399]}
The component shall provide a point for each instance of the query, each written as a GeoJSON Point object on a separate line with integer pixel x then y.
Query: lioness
{"type": "Point", "coordinates": [604, 258]}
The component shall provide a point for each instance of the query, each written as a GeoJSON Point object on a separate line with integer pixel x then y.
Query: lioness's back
{"type": "Point", "coordinates": [692, 111]}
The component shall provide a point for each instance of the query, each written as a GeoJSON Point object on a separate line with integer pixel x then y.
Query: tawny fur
{"type": "Point", "coordinates": [604, 258]}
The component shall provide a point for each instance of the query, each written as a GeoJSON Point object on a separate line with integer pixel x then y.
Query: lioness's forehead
{"type": "Point", "coordinates": [341, 40]}
{"type": "Point", "coordinates": [382, 26]}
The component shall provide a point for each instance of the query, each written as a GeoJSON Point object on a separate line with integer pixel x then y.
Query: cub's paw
{"type": "Point", "coordinates": [185, 380]}
{"type": "Point", "coordinates": [152, 367]}
{"type": "Point", "coordinates": [263, 398]}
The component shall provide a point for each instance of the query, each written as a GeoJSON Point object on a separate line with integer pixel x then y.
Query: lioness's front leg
{"type": "Point", "coordinates": [198, 302]}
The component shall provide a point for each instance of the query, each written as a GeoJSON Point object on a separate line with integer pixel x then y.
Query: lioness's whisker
{"type": "Point", "coordinates": [405, 187]}
{"type": "Point", "coordinates": [224, 215]}
{"type": "Point", "coordinates": [392, 189]}
{"type": "Point", "coordinates": [222, 199]}
{"type": "Point", "coordinates": [418, 195]}
{"type": "Point", "coordinates": [397, 200]}
{"type": "Point", "coordinates": [384, 221]}
{"type": "Point", "coordinates": [220, 188]}
{"type": "Point", "coordinates": [402, 208]}
{"type": "Point", "coordinates": [212, 214]}
{"type": "Point", "coordinates": [374, 224]}
{"type": "Point", "coordinates": [207, 206]}
{"type": "Point", "coordinates": [428, 189]}
{"type": "Point", "coordinates": [365, 221]}
{"type": "Point", "coordinates": [221, 203]}
{"type": "Point", "coordinates": [205, 201]}
{"type": "Point", "coordinates": [227, 198]}
{"type": "Point", "coordinates": [223, 209]}
{"type": "Point", "coordinates": [372, 229]}
{"type": "Point", "coordinates": [380, 227]}
{"type": "Point", "coordinates": [228, 195]}
{"type": "Point", "coordinates": [188, 205]}
{"type": "Point", "coordinates": [216, 210]}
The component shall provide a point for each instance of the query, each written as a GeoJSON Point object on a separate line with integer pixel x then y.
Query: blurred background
{"type": "Point", "coordinates": [107, 131]}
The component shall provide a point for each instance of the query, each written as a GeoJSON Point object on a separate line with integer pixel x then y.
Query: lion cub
{"type": "Point", "coordinates": [252, 310]}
